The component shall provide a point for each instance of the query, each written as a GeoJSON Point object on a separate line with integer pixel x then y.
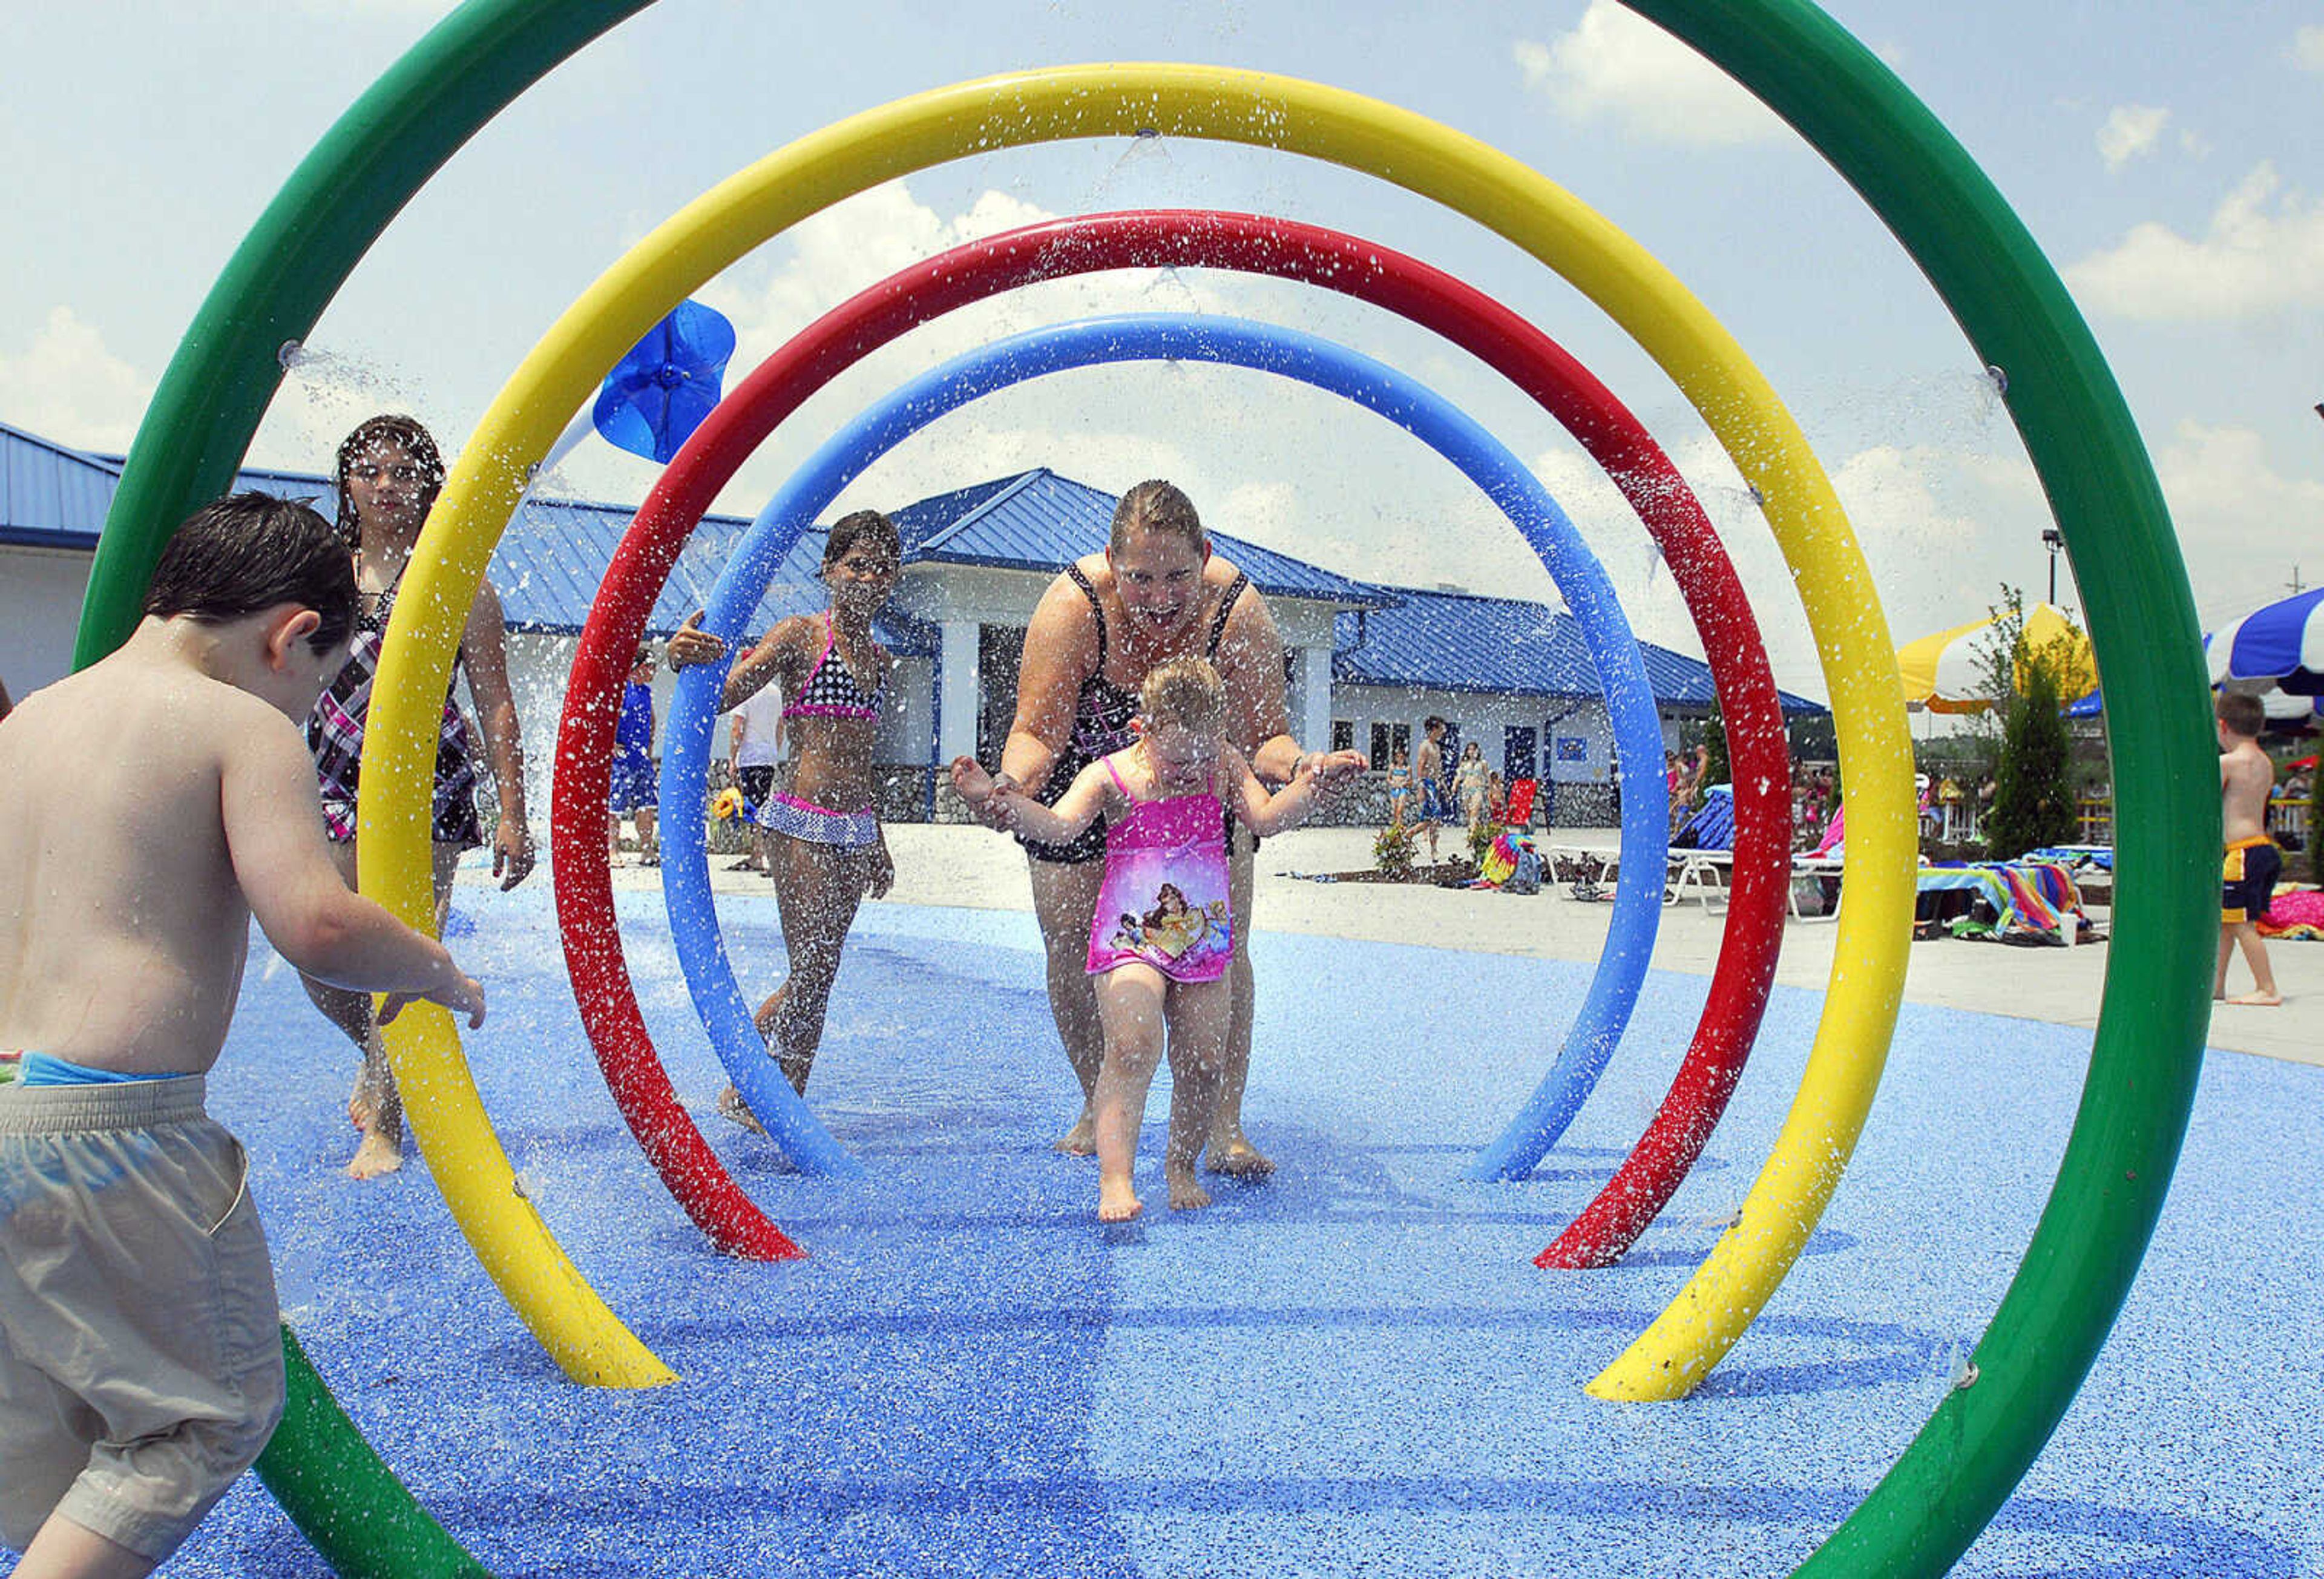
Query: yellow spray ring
{"type": "Point", "coordinates": [1850, 1047]}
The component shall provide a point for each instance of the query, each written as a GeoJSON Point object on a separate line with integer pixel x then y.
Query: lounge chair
{"type": "Point", "coordinates": [1519, 815]}
{"type": "Point", "coordinates": [1701, 863]}
{"type": "Point", "coordinates": [1702, 851]}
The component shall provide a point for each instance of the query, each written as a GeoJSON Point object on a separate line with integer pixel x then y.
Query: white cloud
{"type": "Point", "coordinates": [2265, 250]}
{"type": "Point", "coordinates": [2131, 129]}
{"type": "Point", "coordinates": [68, 387]}
{"type": "Point", "coordinates": [2308, 48]}
{"type": "Point", "coordinates": [1615, 64]}
{"type": "Point", "coordinates": [2242, 524]}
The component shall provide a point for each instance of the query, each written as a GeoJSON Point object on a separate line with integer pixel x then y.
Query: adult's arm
{"type": "Point", "coordinates": [1259, 707]}
{"type": "Point", "coordinates": [484, 648]}
{"type": "Point", "coordinates": [1060, 653]}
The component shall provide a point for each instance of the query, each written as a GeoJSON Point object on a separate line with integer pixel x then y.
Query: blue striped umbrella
{"type": "Point", "coordinates": [2283, 642]}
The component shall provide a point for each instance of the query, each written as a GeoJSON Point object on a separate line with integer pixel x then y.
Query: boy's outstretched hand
{"type": "Point", "coordinates": [466, 998]}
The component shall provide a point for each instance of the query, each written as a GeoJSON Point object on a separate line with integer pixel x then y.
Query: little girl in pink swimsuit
{"type": "Point", "coordinates": [1164, 929]}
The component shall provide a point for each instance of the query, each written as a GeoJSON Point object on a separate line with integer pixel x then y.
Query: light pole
{"type": "Point", "coordinates": [2053, 540]}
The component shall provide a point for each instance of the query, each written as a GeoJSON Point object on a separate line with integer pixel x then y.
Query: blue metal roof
{"type": "Point", "coordinates": [50, 496]}
{"type": "Point", "coordinates": [1458, 641]}
{"type": "Point", "coordinates": [1039, 520]}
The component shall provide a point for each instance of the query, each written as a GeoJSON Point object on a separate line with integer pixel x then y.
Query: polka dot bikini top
{"type": "Point", "coordinates": [832, 691]}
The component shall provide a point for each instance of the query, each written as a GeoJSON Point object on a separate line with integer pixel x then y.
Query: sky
{"type": "Point", "coordinates": [2168, 157]}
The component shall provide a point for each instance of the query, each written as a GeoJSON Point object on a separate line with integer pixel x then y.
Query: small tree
{"type": "Point", "coordinates": [1392, 852]}
{"type": "Point", "coordinates": [1717, 769]}
{"type": "Point", "coordinates": [2034, 790]}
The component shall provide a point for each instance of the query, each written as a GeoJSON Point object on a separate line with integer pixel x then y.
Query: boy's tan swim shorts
{"type": "Point", "coordinates": [141, 1366]}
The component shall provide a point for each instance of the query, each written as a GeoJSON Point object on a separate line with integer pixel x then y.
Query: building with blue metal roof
{"type": "Point", "coordinates": [1515, 675]}
{"type": "Point", "coordinates": [1365, 663]}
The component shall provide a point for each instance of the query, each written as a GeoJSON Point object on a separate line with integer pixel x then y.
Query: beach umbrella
{"type": "Point", "coordinates": [1946, 672]}
{"type": "Point", "coordinates": [659, 393]}
{"type": "Point", "coordinates": [2283, 642]}
{"type": "Point", "coordinates": [2281, 708]}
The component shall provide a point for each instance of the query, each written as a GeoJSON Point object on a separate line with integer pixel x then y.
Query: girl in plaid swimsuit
{"type": "Point", "coordinates": [388, 473]}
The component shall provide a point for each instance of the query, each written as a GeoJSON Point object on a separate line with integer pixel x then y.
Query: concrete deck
{"type": "Point", "coordinates": [969, 866]}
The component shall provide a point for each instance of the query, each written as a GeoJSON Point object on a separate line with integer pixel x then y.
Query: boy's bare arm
{"type": "Point", "coordinates": [273, 828]}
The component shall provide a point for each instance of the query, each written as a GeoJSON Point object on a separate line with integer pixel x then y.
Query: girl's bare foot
{"type": "Point", "coordinates": [1235, 1157]}
{"type": "Point", "coordinates": [1117, 1201]}
{"type": "Point", "coordinates": [381, 1153]}
{"type": "Point", "coordinates": [1081, 1140]}
{"type": "Point", "coordinates": [2260, 1000]}
{"type": "Point", "coordinates": [734, 1110]}
{"type": "Point", "coordinates": [1187, 1191]}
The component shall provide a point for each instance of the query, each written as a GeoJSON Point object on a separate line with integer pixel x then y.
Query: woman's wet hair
{"type": "Point", "coordinates": [245, 553]}
{"type": "Point", "coordinates": [1156, 506]}
{"type": "Point", "coordinates": [1186, 691]}
{"type": "Point", "coordinates": [406, 434]}
{"type": "Point", "coordinates": [858, 527]}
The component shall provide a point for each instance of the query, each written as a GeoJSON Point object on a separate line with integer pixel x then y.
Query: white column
{"type": "Point", "coordinates": [1312, 720]}
{"type": "Point", "coordinates": [956, 705]}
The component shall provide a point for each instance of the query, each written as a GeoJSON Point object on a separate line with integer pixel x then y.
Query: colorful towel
{"type": "Point", "coordinates": [2029, 900]}
{"type": "Point", "coordinates": [1500, 861]}
{"type": "Point", "coordinates": [2298, 915]}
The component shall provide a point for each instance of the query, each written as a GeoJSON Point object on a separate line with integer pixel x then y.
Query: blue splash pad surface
{"type": "Point", "coordinates": [1352, 1370]}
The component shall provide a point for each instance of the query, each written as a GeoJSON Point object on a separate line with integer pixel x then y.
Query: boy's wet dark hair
{"type": "Point", "coordinates": [247, 552]}
{"type": "Point", "coordinates": [2243, 714]}
{"type": "Point", "coordinates": [861, 526]}
{"type": "Point", "coordinates": [406, 434]}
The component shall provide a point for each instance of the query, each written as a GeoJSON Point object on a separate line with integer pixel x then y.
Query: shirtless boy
{"type": "Point", "coordinates": [2253, 862]}
{"type": "Point", "coordinates": [1428, 767]}
{"type": "Point", "coordinates": [141, 1369]}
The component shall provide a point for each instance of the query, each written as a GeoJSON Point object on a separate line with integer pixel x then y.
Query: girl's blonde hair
{"type": "Point", "coordinates": [1185, 691]}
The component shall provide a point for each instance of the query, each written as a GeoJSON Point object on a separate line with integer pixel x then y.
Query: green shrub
{"type": "Point", "coordinates": [1392, 850]}
{"type": "Point", "coordinates": [1481, 839]}
{"type": "Point", "coordinates": [2033, 802]}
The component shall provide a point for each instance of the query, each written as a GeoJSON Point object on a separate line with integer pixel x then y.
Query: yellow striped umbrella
{"type": "Point", "coordinates": [1947, 673]}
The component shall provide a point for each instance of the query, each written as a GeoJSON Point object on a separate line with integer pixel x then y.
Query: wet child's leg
{"type": "Point", "coordinates": [1065, 897]}
{"type": "Point", "coordinates": [817, 888]}
{"type": "Point", "coordinates": [1130, 1003]}
{"type": "Point", "coordinates": [2227, 952]}
{"type": "Point", "coordinates": [648, 841]}
{"type": "Point", "coordinates": [2255, 951]}
{"type": "Point", "coordinates": [1199, 1014]}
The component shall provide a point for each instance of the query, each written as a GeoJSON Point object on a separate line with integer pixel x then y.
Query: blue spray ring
{"type": "Point", "coordinates": [1146, 337]}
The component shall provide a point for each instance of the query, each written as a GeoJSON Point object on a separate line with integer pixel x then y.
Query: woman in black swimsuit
{"type": "Point", "coordinates": [1156, 592]}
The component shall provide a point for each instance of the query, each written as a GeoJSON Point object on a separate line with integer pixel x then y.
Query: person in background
{"type": "Point", "coordinates": [389, 474]}
{"type": "Point", "coordinates": [2253, 863]}
{"type": "Point", "coordinates": [634, 790]}
{"type": "Point", "coordinates": [754, 752]}
{"type": "Point", "coordinates": [828, 847]}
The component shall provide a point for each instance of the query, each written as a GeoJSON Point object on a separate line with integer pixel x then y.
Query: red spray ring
{"type": "Point", "coordinates": [1248, 243]}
